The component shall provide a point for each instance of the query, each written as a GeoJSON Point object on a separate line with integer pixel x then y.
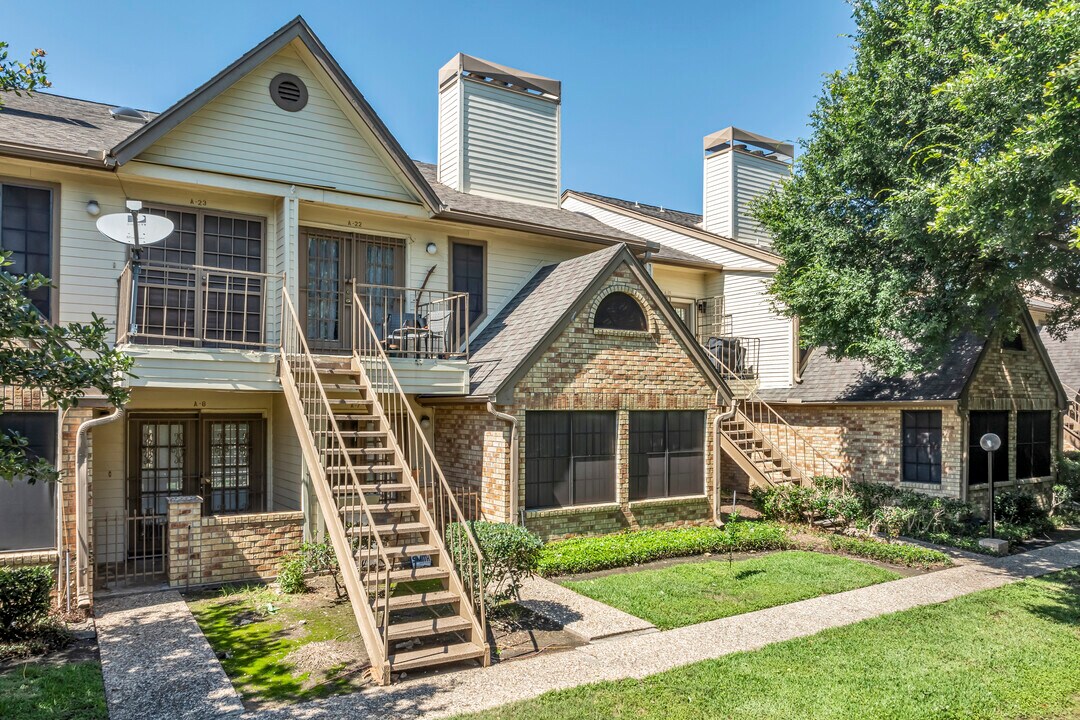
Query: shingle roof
{"type": "Point", "coordinates": [57, 123]}
{"type": "Point", "coordinates": [829, 380]}
{"type": "Point", "coordinates": [666, 252]}
{"type": "Point", "coordinates": [512, 335]}
{"type": "Point", "coordinates": [555, 218]}
{"type": "Point", "coordinates": [679, 217]}
{"type": "Point", "coordinates": [1065, 356]}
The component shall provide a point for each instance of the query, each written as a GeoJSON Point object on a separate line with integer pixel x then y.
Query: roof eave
{"type": "Point", "coordinates": [493, 221]}
{"type": "Point", "coordinates": [33, 152]}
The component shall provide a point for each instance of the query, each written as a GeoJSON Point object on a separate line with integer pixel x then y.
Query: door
{"type": "Point", "coordinates": [162, 465]}
{"type": "Point", "coordinates": [234, 477]}
{"type": "Point", "coordinates": [331, 262]}
{"type": "Point", "coordinates": [980, 423]}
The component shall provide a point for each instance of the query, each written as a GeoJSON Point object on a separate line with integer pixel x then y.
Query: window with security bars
{"type": "Point", "coordinates": [667, 454]}
{"type": "Point", "coordinates": [981, 422]}
{"type": "Point", "coordinates": [569, 458]}
{"type": "Point", "coordinates": [1033, 444]}
{"type": "Point", "coordinates": [203, 282]}
{"type": "Point", "coordinates": [922, 446]}
{"type": "Point", "coordinates": [28, 512]}
{"type": "Point", "coordinates": [26, 232]}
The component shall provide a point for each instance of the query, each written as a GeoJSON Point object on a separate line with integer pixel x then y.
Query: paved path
{"type": "Point", "coordinates": [156, 662]}
{"type": "Point", "coordinates": [157, 665]}
{"type": "Point", "coordinates": [581, 615]}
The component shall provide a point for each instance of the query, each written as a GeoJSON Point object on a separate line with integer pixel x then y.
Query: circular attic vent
{"type": "Point", "coordinates": [289, 92]}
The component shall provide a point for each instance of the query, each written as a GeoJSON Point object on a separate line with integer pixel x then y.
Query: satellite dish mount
{"type": "Point", "coordinates": [136, 229]}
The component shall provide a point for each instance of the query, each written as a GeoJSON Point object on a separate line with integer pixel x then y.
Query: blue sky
{"type": "Point", "coordinates": [642, 82]}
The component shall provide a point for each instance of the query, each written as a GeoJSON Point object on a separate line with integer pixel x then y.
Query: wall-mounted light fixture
{"type": "Point", "coordinates": [425, 422]}
{"type": "Point", "coordinates": [432, 248]}
{"type": "Point", "coordinates": [92, 208]}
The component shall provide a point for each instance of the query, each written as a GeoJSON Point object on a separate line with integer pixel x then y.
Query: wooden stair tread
{"type": "Point", "coordinates": [335, 386]}
{"type": "Point", "coordinates": [401, 528]}
{"type": "Point", "coordinates": [425, 599]}
{"type": "Point", "coordinates": [432, 626]}
{"type": "Point", "coordinates": [436, 655]}
{"type": "Point", "coordinates": [354, 433]}
{"type": "Point", "coordinates": [415, 574]}
{"type": "Point", "coordinates": [376, 508]}
{"type": "Point", "coordinates": [363, 468]}
{"type": "Point", "coordinates": [411, 550]}
{"type": "Point", "coordinates": [372, 488]}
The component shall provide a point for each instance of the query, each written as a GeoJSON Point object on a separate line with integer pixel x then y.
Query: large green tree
{"type": "Point", "coordinates": [940, 183]}
{"type": "Point", "coordinates": [63, 361]}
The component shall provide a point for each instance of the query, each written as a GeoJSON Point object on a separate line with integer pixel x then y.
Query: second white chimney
{"type": "Point", "coordinates": [740, 166]}
{"type": "Point", "coordinates": [499, 131]}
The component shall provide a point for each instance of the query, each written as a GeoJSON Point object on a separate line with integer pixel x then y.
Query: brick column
{"type": "Point", "coordinates": [184, 544]}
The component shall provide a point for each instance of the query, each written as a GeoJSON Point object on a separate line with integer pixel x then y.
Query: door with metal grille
{"type": "Point", "coordinates": [233, 474]}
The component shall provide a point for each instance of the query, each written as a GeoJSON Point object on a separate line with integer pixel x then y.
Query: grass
{"type": "Point", "coordinates": [1003, 654]}
{"type": "Point", "coordinates": [894, 553]}
{"type": "Point", "coordinates": [57, 692]}
{"type": "Point", "coordinates": [697, 592]}
{"type": "Point", "coordinates": [588, 554]}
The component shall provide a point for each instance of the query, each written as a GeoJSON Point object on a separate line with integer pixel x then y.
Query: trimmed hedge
{"type": "Point", "coordinates": [894, 553]}
{"type": "Point", "coordinates": [24, 599]}
{"type": "Point", "coordinates": [586, 554]}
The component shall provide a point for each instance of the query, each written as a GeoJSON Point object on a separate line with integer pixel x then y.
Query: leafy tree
{"type": "Point", "coordinates": [62, 361]}
{"type": "Point", "coordinates": [941, 178]}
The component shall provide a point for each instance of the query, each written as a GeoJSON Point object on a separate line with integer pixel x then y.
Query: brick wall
{"type": "Point", "coordinates": [472, 447]}
{"type": "Point", "coordinates": [227, 548]}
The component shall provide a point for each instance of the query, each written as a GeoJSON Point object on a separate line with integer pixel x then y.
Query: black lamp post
{"type": "Point", "coordinates": [991, 443]}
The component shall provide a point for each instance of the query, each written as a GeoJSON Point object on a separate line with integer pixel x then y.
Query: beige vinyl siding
{"type": "Point", "coordinates": [717, 201]}
{"type": "Point", "coordinates": [510, 144]}
{"type": "Point", "coordinates": [679, 282]}
{"type": "Point", "coordinates": [754, 177]}
{"type": "Point", "coordinates": [286, 458]}
{"type": "Point", "coordinates": [449, 134]}
{"type": "Point", "coordinates": [242, 132]}
{"type": "Point", "coordinates": [203, 369]}
{"type": "Point", "coordinates": [745, 299]}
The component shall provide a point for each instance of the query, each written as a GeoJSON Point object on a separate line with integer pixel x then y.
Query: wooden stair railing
{"type": "Point", "coordinates": [366, 499]}
{"type": "Point", "coordinates": [1072, 417]}
{"type": "Point", "coordinates": [765, 445]}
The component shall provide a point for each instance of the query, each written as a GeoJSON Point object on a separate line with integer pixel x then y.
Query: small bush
{"type": "Point", "coordinates": [894, 553]}
{"type": "Point", "coordinates": [24, 600]}
{"type": "Point", "coordinates": [586, 554]}
{"type": "Point", "coordinates": [511, 554]}
{"type": "Point", "coordinates": [1018, 508]}
{"type": "Point", "coordinates": [320, 559]}
{"type": "Point", "coordinates": [48, 634]}
{"type": "Point", "coordinates": [291, 574]}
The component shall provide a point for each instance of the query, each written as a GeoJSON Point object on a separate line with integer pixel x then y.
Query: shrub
{"type": "Point", "coordinates": [319, 558]}
{"type": "Point", "coordinates": [1018, 508]}
{"type": "Point", "coordinates": [291, 574]}
{"type": "Point", "coordinates": [1066, 493]}
{"type": "Point", "coordinates": [511, 554]}
{"type": "Point", "coordinates": [895, 553]}
{"type": "Point", "coordinates": [24, 600]}
{"type": "Point", "coordinates": [586, 554]}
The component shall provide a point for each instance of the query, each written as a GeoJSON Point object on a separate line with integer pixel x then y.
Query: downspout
{"type": "Point", "coordinates": [82, 545]}
{"type": "Point", "coordinates": [721, 417]}
{"type": "Point", "coordinates": [796, 352]}
{"type": "Point", "coordinates": [513, 460]}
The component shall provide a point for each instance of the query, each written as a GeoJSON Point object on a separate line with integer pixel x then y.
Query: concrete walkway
{"type": "Point", "coordinates": [583, 616]}
{"type": "Point", "coordinates": [156, 662]}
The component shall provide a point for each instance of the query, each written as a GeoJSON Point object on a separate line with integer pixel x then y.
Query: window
{"type": "Point", "coordinates": [922, 446]}
{"type": "Point", "coordinates": [26, 232]}
{"type": "Point", "coordinates": [619, 311]}
{"type": "Point", "coordinates": [1032, 444]}
{"type": "Point", "coordinates": [980, 423]}
{"type": "Point", "coordinates": [28, 512]}
{"type": "Point", "coordinates": [569, 458]}
{"type": "Point", "coordinates": [468, 275]}
{"type": "Point", "coordinates": [667, 454]}
{"type": "Point", "coordinates": [1012, 342]}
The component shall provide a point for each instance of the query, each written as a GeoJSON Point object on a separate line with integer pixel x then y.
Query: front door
{"type": "Point", "coordinates": [233, 468]}
{"type": "Point", "coordinates": [162, 465]}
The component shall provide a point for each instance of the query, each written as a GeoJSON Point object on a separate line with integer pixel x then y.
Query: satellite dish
{"type": "Point", "coordinates": [121, 228]}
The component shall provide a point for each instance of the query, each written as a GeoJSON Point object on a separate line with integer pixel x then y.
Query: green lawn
{"type": "Point", "coordinates": [691, 593]}
{"type": "Point", "coordinates": [1002, 654]}
{"type": "Point", "coordinates": [56, 692]}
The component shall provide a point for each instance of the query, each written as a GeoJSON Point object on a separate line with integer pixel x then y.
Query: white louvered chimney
{"type": "Point", "coordinates": [499, 131]}
{"type": "Point", "coordinates": [740, 166]}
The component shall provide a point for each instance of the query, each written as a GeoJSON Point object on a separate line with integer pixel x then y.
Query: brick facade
{"type": "Point", "coordinates": [227, 548]}
{"type": "Point", "coordinates": [586, 369]}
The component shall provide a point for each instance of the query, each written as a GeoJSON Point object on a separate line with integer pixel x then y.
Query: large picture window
{"type": "Point", "coordinates": [981, 422]}
{"type": "Point", "coordinates": [26, 221]}
{"type": "Point", "coordinates": [28, 512]}
{"type": "Point", "coordinates": [667, 454]}
{"type": "Point", "coordinates": [1033, 444]}
{"type": "Point", "coordinates": [922, 446]}
{"type": "Point", "coordinates": [569, 458]}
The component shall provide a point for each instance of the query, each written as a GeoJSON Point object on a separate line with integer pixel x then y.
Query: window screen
{"type": "Point", "coordinates": [26, 232]}
{"type": "Point", "coordinates": [28, 512]}
{"type": "Point", "coordinates": [569, 458]}
{"type": "Point", "coordinates": [980, 423]}
{"type": "Point", "coordinates": [667, 454]}
{"type": "Point", "coordinates": [1033, 444]}
{"type": "Point", "coordinates": [922, 446]}
{"type": "Point", "coordinates": [619, 311]}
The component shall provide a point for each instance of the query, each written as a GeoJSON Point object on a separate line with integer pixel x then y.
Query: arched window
{"type": "Point", "coordinates": [619, 311]}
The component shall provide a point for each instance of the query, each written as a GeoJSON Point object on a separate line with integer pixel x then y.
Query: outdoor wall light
{"type": "Point", "coordinates": [432, 248]}
{"type": "Point", "coordinates": [92, 208]}
{"type": "Point", "coordinates": [425, 422]}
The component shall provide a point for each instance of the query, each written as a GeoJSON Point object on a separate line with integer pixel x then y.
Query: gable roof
{"type": "Point", "coordinates": [681, 221]}
{"type": "Point", "coordinates": [527, 325]}
{"type": "Point", "coordinates": [296, 29]}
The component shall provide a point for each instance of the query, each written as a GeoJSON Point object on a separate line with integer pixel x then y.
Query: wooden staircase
{"type": "Point", "coordinates": [1072, 419]}
{"type": "Point", "coordinates": [386, 519]}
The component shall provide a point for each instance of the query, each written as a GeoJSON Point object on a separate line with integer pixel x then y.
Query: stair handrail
{"type": "Point", "coordinates": [445, 509]}
{"type": "Point", "coordinates": [1072, 411]}
{"type": "Point", "coordinates": [369, 535]}
{"type": "Point", "coordinates": [820, 465]}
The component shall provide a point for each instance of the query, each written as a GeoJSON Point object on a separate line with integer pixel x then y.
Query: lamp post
{"type": "Point", "coordinates": [991, 443]}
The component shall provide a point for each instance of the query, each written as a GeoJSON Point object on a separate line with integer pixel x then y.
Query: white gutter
{"type": "Point", "coordinates": [721, 417]}
{"type": "Point", "coordinates": [514, 461]}
{"type": "Point", "coordinates": [82, 549]}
